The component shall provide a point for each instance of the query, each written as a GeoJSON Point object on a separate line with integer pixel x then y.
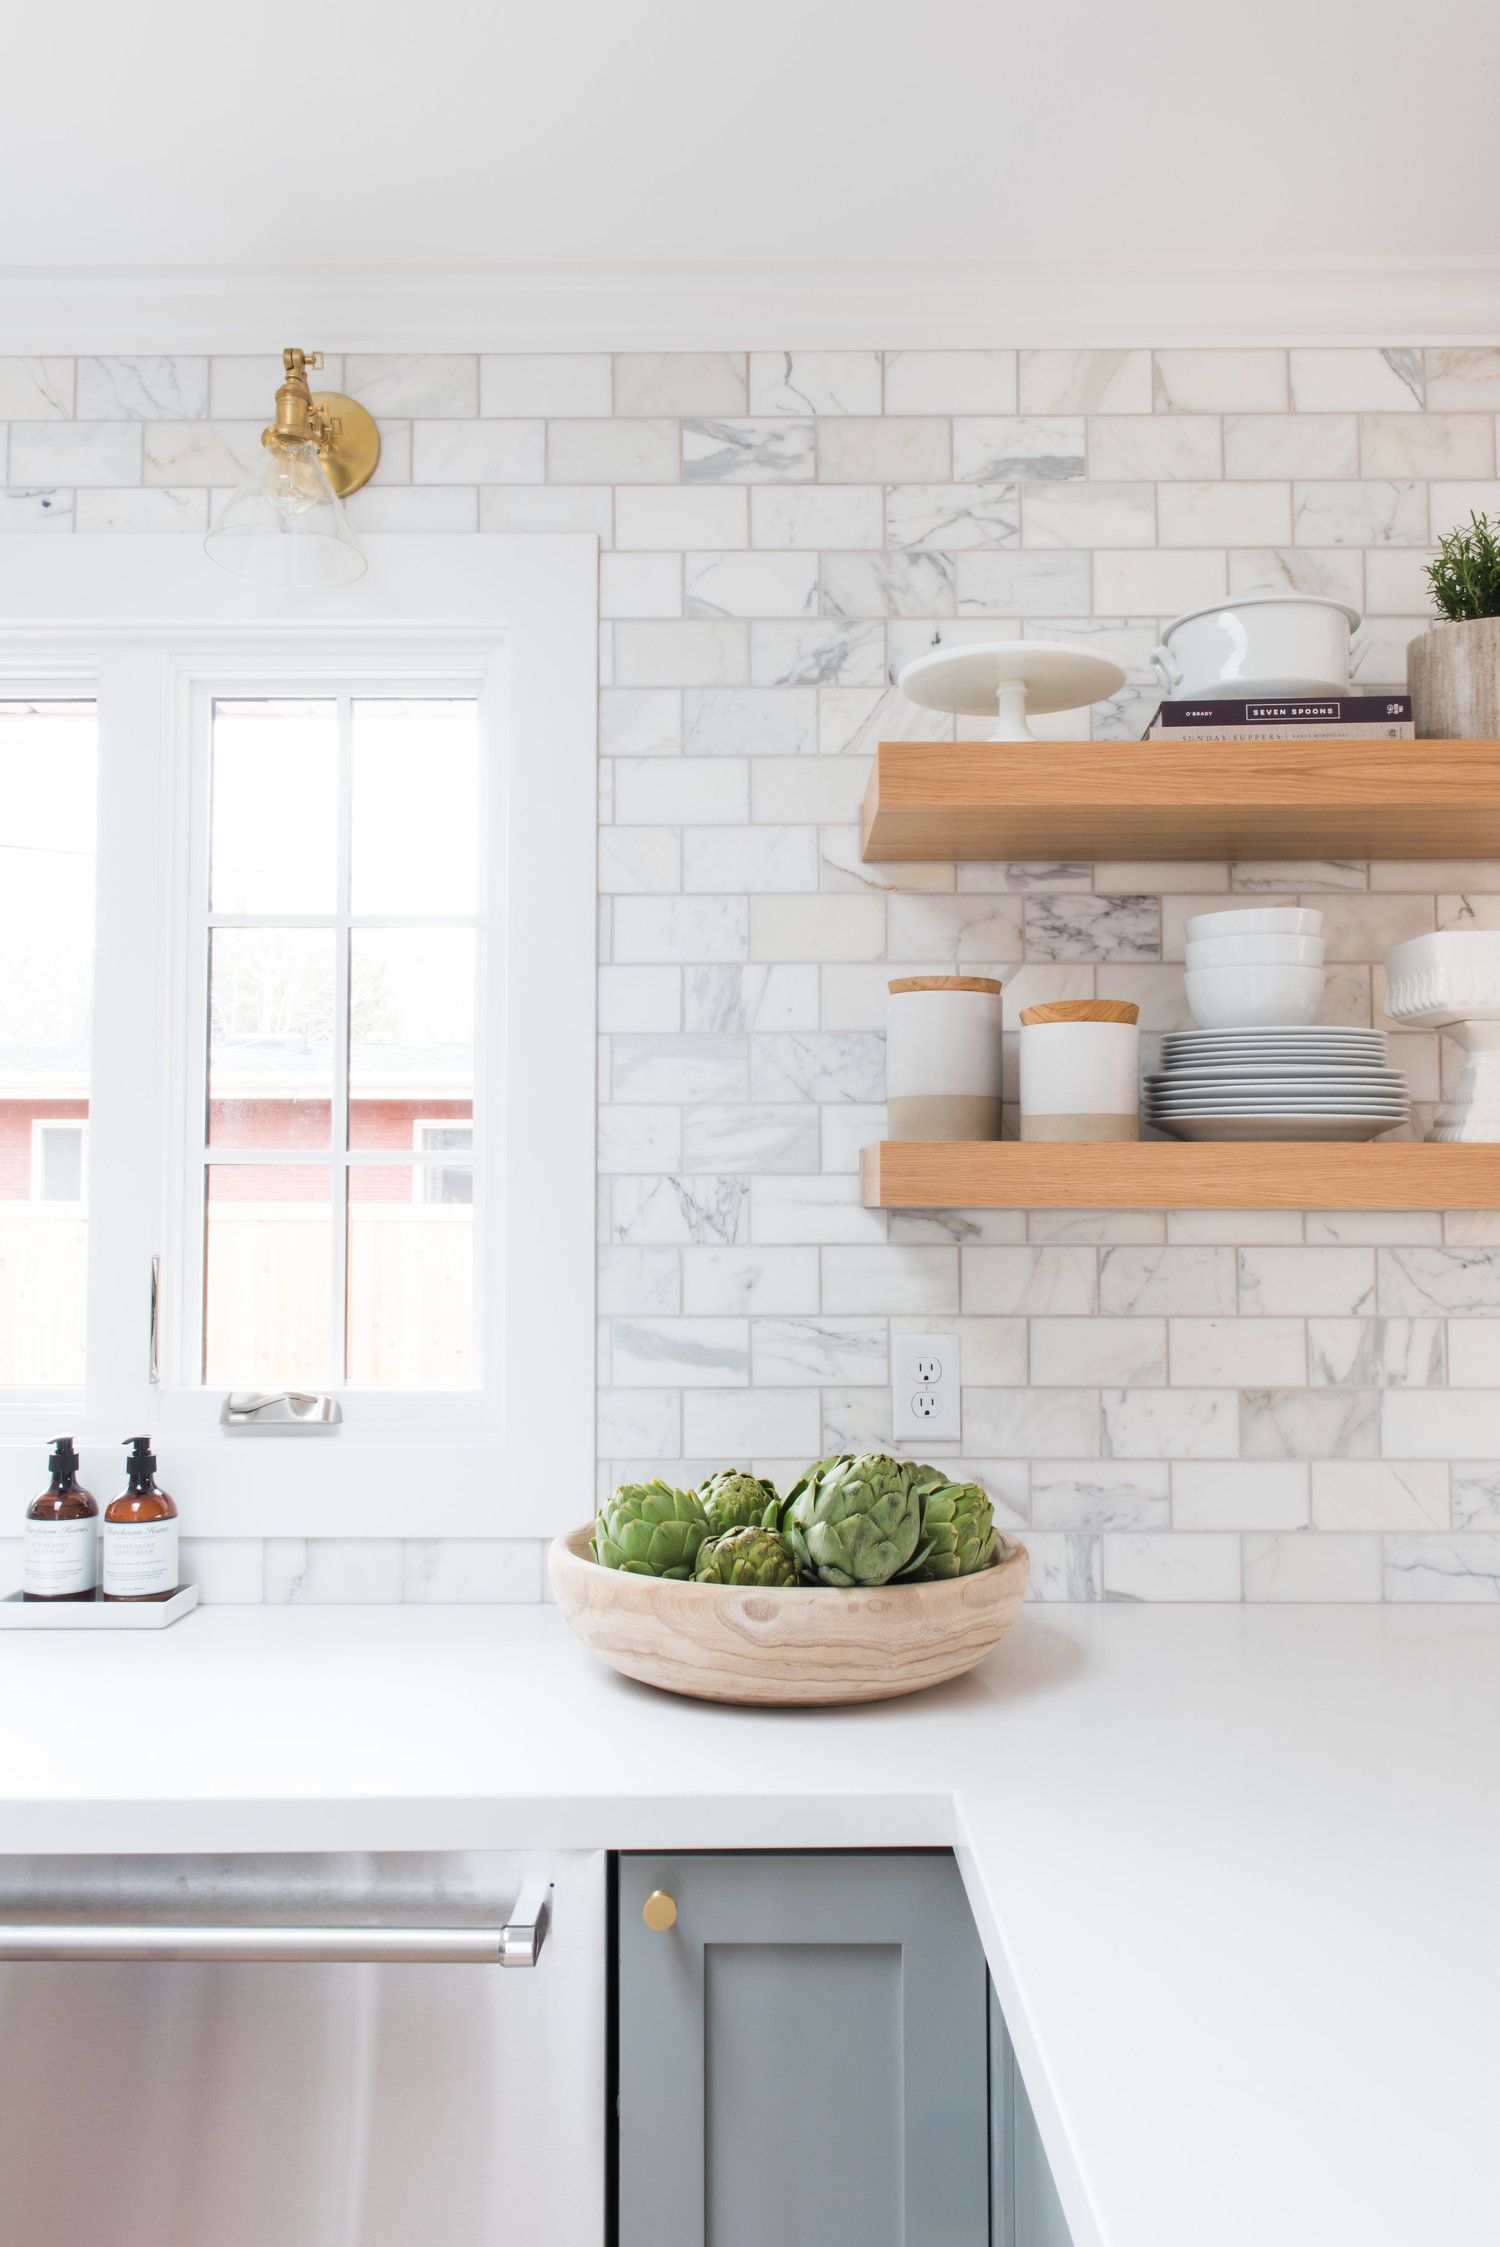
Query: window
{"type": "Point", "coordinates": [270, 1062]}
{"type": "Point", "coordinates": [340, 951]}
{"type": "Point", "coordinates": [47, 786]}
{"type": "Point", "coordinates": [59, 1160]}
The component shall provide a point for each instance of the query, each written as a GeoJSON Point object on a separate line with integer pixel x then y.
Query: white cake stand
{"type": "Point", "coordinates": [1008, 678]}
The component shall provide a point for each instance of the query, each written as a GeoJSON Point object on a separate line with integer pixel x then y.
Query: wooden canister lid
{"type": "Point", "coordinates": [947, 983]}
{"type": "Point", "coordinates": [1082, 1010]}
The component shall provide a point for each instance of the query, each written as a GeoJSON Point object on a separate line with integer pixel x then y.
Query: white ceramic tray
{"type": "Point", "coordinates": [1245, 1128]}
{"type": "Point", "coordinates": [18, 1614]}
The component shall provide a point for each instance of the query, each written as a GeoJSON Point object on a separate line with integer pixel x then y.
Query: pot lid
{"type": "Point", "coordinates": [1262, 596]}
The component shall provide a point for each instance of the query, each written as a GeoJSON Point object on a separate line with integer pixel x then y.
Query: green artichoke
{"type": "Point", "coordinates": [736, 1499]}
{"type": "Point", "coordinates": [650, 1529]}
{"type": "Point", "coordinates": [747, 1555]}
{"type": "Point", "coordinates": [856, 1520]}
{"type": "Point", "coordinates": [958, 1528]}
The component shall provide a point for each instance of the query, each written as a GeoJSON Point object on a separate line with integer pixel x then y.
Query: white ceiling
{"type": "Point", "coordinates": [1164, 137]}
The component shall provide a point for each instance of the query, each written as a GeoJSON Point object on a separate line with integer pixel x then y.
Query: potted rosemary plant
{"type": "Point", "coordinates": [1455, 667]}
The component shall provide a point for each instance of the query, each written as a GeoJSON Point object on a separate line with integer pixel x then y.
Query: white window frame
{"type": "Point", "coordinates": [40, 1126]}
{"type": "Point", "coordinates": [435, 1161]}
{"type": "Point", "coordinates": [138, 623]}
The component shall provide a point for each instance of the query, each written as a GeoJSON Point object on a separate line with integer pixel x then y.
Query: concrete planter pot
{"type": "Point", "coordinates": [1455, 681]}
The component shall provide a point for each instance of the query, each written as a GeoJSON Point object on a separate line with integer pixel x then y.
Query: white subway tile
{"type": "Point", "coordinates": [1360, 381]}
{"type": "Point", "coordinates": [553, 383]}
{"type": "Point", "coordinates": [1259, 1353]}
{"type": "Point", "coordinates": [816, 516]}
{"type": "Point", "coordinates": [1204, 1566]}
{"type": "Point", "coordinates": [1309, 1423]}
{"type": "Point", "coordinates": [413, 507]}
{"type": "Point", "coordinates": [120, 509]}
{"type": "Point", "coordinates": [680, 382]}
{"type": "Point", "coordinates": [889, 449]}
{"type": "Point", "coordinates": [1170, 1423]}
{"type": "Point", "coordinates": [1367, 514]}
{"type": "Point", "coordinates": [639, 1422]}
{"type": "Point", "coordinates": [681, 928]}
{"type": "Point", "coordinates": [747, 452]}
{"type": "Point", "coordinates": [750, 721]}
{"type": "Point", "coordinates": [639, 861]}
{"type": "Point", "coordinates": [819, 653]}
{"type": "Point", "coordinates": [49, 511]}
{"type": "Point", "coordinates": [750, 998]}
{"type": "Point", "coordinates": [426, 383]}
{"type": "Point", "coordinates": [1396, 584]}
{"type": "Point", "coordinates": [1085, 382]}
{"type": "Point", "coordinates": [952, 516]}
{"type": "Point", "coordinates": [472, 1571]}
{"type": "Point", "coordinates": [1099, 1494]}
{"type": "Point", "coordinates": [730, 1423]}
{"type": "Point", "coordinates": [1088, 514]}
{"type": "Point", "coordinates": [1431, 445]}
{"type": "Point", "coordinates": [751, 584]}
{"type": "Point", "coordinates": [686, 1353]}
{"type": "Point", "coordinates": [1063, 1567]}
{"type": "Point", "coordinates": [899, 1279]}
{"type": "Point", "coordinates": [1239, 1494]}
{"type": "Point", "coordinates": [1234, 1227]}
{"type": "Point", "coordinates": [817, 928]}
{"type": "Point", "coordinates": [641, 585]}
{"type": "Point", "coordinates": [607, 452]}
{"type": "Point", "coordinates": [1419, 1282]}
{"type": "Point", "coordinates": [787, 790]}
{"type": "Point", "coordinates": [657, 1210]}
{"type": "Point", "coordinates": [1376, 1353]}
{"type": "Point", "coordinates": [550, 507]}
{"type": "Point", "coordinates": [640, 722]}
{"type": "Point", "coordinates": [1180, 1281]}
{"type": "Point", "coordinates": [633, 1138]}
{"type": "Point", "coordinates": [142, 389]}
{"type": "Point", "coordinates": [1474, 1353]}
{"type": "Point", "coordinates": [46, 453]}
{"type": "Point", "coordinates": [673, 516]}
{"type": "Point", "coordinates": [1159, 447]}
{"type": "Point", "coordinates": [642, 1282]}
{"type": "Point", "coordinates": [1303, 1566]}
{"type": "Point", "coordinates": [825, 1209]}
{"type": "Point", "coordinates": [39, 389]}
{"type": "Point", "coordinates": [1476, 1496]}
{"type": "Point", "coordinates": [1032, 1423]}
{"type": "Point", "coordinates": [750, 1280]}
{"type": "Point", "coordinates": [1060, 1281]}
{"type": "Point", "coordinates": [480, 452]}
{"type": "Point", "coordinates": [700, 789]}
{"type": "Point", "coordinates": [1463, 376]}
{"type": "Point", "coordinates": [1438, 1424]}
{"type": "Point", "coordinates": [640, 998]}
{"type": "Point", "coordinates": [815, 382]}
{"type": "Point", "coordinates": [1360, 1494]}
{"type": "Point", "coordinates": [1306, 1282]}
{"type": "Point", "coordinates": [975, 929]}
{"type": "Point", "coordinates": [1245, 381]}
{"type": "Point", "coordinates": [1020, 448]}
{"type": "Point", "coordinates": [750, 1137]}
{"type": "Point", "coordinates": [702, 652]}
{"type": "Point", "coordinates": [817, 1066]}
{"type": "Point", "coordinates": [228, 1571]}
{"type": "Point", "coordinates": [692, 1067]}
{"type": "Point", "coordinates": [1123, 1353]}
{"type": "Point", "coordinates": [1156, 583]}
{"type": "Point", "coordinates": [1239, 514]}
{"type": "Point", "coordinates": [1291, 445]}
{"type": "Point", "coordinates": [950, 382]}
{"type": "Point", "coordinates": [332, 1571]}
{"type": "Point", "coordinates": [815, 1352]}
{"type": "Point", "coordinates": [1442, 1568]}
{"type": "Point", "coordinates": [1046, 582]}
{"type": "Point", "coordinates": [715, 859]}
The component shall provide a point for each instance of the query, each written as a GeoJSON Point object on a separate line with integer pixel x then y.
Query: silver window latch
{"type": "Point", "coordinates": [279, 1412]}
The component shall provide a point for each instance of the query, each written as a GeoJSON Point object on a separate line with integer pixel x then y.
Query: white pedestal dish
{"type": "Point", "coordinates": [1008, 678]}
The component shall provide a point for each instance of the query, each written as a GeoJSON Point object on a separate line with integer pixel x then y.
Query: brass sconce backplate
{"type": "Point", "coordinates": [353, 446]}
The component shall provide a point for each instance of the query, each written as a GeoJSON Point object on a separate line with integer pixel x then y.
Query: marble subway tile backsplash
{"type": "Point", "coordinates": [1201, 1404]}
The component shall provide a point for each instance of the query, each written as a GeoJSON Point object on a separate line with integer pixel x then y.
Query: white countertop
{"type": "Point", "coordinates": [1235, 1868]}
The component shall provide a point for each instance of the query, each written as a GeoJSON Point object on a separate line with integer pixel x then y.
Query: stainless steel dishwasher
{"type": "Point", "coordinates": [303, 2051]}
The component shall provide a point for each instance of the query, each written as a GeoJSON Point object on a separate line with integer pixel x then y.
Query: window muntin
{"type": "Point", "coordinates": [331, 1026]}
{"type": "Point", "coordinates": [48, 779]}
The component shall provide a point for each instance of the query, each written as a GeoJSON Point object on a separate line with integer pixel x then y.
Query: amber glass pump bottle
{"type": "Point", "coordinates": [140, 1532]}
{"type": "Point", "coordinates": [60, 1542]}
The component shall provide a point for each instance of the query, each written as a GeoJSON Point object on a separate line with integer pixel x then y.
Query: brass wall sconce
{"type": "Point", "coordinates": [286, 523]}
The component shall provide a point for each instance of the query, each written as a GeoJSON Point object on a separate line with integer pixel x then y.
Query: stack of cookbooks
{"type": "Point", "coordinates": [1349, 717]}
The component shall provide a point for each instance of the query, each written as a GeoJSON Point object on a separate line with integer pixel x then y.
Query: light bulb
{"type": "Point", "coordinates": [293, 479]}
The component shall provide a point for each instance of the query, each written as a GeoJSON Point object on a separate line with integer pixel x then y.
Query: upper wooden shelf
{"type": "Point", "coordinates": [1169, 1174]}
{"type": "Point", "coordinates": [1183, 799]}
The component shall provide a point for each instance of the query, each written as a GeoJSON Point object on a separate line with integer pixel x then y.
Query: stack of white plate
{"type": "Point", "coordinates": [1311, 1082]}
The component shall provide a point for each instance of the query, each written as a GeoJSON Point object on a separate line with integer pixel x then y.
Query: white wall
{"type": "Point", "coordinates": [1196, 1405]}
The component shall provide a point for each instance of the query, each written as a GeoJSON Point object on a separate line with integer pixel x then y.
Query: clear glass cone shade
{"type": "Point", "coordinates": [286, 526]}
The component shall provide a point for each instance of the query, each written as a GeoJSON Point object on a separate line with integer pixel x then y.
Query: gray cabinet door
{"type": "Point", "coordinates": [1026, 2209]}
{"type": "Point", "coordinates": [802, 2057]}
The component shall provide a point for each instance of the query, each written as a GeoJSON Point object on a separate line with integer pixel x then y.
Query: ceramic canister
{"type": "Point", "coordinates": [1081, 1070]}
{"type": "Point", "coordinates": [943, 1057]}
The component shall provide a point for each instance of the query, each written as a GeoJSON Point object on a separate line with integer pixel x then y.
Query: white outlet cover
{"type": "Point", "coordinates": [924, 1388]}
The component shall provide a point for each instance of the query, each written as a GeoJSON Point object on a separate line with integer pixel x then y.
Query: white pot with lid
{"type": "Point", "coordinates": [1268, 641]}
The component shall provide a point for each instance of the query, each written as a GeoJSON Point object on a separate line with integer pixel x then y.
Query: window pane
{"type": "Point", "coordinates": [411, 1009]}
{"type": "Point", "coordinates": [411, 1281]}
{"type": "Point", "coordinates": [268, 1276]}
{"type": "Point", "coordinates": [270, 1065]}
{"type": "Point", "coordinates": [47, 769]}
{"type": "Point", "coordinates": [415, 839]}
{"type": "Point", "coordinates": [275, 807]}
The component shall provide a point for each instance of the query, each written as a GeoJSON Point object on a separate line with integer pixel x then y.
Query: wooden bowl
{"type": "Point", "coordinates": [790, 1648]}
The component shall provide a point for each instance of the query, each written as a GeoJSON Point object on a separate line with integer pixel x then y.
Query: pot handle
{"type": "Point", "coordinates": [1167, 669]}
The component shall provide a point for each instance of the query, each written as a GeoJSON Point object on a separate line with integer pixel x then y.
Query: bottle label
{"type": "Point", "coordinates": [140, 1557]}
{"type": "Point", "coordinates": [59, 1557]}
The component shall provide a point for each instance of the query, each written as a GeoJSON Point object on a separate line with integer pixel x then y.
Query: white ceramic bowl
{"type": "Point", "coordinates": [1256, 951]}
{"type": "Point", "coordinates": [1229, 998]}
{"type": "Point", "coordinates": [1452, 975]}
{"type": "Point", "coordinates": [1267, 641]}
{"type": "Point", "coordinates": [1256, 920]}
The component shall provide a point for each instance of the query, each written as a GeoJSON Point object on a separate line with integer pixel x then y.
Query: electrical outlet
{"type": "Point", "coordinates": [924, 1387]}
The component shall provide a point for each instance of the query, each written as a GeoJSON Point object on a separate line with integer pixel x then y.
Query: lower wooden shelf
{"type": "Point", "coordinates": [1171, 1174]}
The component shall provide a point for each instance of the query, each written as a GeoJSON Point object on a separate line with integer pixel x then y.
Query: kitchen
{"type": "Point", "coordinates": [444, 1081]}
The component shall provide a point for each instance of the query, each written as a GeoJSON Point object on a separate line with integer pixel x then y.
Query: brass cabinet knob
{"type": "Point", "coordinates": [659, 1911]}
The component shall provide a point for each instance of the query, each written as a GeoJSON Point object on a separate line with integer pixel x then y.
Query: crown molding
{"type": "Point", "coordinates": [1098, 302]}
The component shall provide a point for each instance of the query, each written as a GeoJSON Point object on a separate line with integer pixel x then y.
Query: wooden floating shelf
{"type": "Point", "coordinates": [1171, 1174]}
{"type": "Point", "coordinates": [1183, 799]}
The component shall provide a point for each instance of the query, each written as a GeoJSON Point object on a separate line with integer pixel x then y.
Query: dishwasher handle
{"type": "Point", "coordinates": [517, 1943]}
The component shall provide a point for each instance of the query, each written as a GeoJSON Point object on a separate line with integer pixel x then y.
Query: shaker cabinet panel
{"type": "Point", "coordinates": [802, 2053]}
